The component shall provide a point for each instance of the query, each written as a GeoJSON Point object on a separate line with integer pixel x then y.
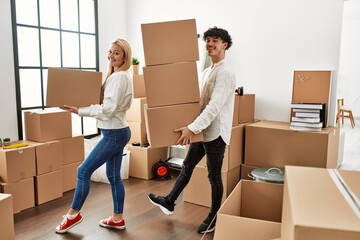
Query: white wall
{"type": "Point", "coordinates": [271, 40]}
{"type": "Point", "coordinates": [349, 69]}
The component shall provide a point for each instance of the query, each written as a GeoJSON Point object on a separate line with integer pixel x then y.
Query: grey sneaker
{"type": "Point", "coordinates": [161, 202]}
{"type": "Point", "coordinates": [207, 226]}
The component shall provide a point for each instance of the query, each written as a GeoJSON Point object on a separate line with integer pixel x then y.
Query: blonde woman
{"type": "Point", "coordinates": [110, 114]}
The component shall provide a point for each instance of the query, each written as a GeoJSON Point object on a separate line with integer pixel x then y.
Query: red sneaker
{"type": "Point", "coordinates": [66, 223]}
{"type": "Point", "coordinates": [109, 223]}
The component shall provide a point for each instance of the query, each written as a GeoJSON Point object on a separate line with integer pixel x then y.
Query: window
{"type": "Point", "coordinates": [52, 33]}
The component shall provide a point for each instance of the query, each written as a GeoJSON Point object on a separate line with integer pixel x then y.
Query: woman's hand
{"type": "Point", "coordinates": [185, 137]}
{"type": "Point", "coordinates": [70, 109]}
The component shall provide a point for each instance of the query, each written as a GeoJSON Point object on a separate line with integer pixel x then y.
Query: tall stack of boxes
{"type": "Point", "coordinates": [171, 81]}
{"type": "Point", "coordinates": [198, 191]}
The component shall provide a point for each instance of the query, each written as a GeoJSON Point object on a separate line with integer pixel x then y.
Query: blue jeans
{"type": "Point", "coordinates": [214, 151]}
{"type": "Point", "coordinates": [110, 150]}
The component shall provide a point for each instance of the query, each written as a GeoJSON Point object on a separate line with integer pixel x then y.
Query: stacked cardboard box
{"type": "Point", "coordinates": [171, 81]}
{"type": "Point", "coordinates": [7, 230]}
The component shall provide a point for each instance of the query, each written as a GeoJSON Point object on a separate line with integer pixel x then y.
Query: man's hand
{"type": "Point", "coordinates": [70, 109]}
{"type": "Point", "coordinates": [185, 137]}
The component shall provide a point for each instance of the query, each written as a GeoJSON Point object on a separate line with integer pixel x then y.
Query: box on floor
{"type": "Point", "coordinates": [69, 176]}
{"type": "Point", "coordinates": [47, 125]}
{"type": "Point", "coordinates": [321, 204]}
{"type": "Point", "coordinates": [252, 211]}
{"type": "Point", "coordinates": [7, 230]}
{"type": "Point", "coordinates": [48, 186]}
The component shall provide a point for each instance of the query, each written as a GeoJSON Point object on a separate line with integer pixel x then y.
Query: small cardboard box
{"type": "Point", "coordinates": [198, 190]}
{"type": "Point", "coordinates": [252, 211]}
{"type": "Point", "coordinates": [138, 86]}
{"type": "Point", "coordinates": [22, 193]}
{"type": "Point", "coordinates": [48, 187]}
{"type": "Point", "coordinates": [136, 111]}
{"type": "Point", "coordinates": [320, 204]}
{"type": "Point", "coordinates": [170, 42]}
{"type": "Point", "coordinates": [234, 153]}
{"type": "Point", "coordinates": [73, 87]}
{"type": "Point", "coordinates": [17, 164]}
{"type": "Point", "coordinates": [72, 149]}
{"type": "Point", "coordinates": [138, 132]}
{"type": "Point", "coordinates": [274, 144]}
{"type": "Point", "coordinates": [162, 121]}
{"type": "Point", "coordinates": [142, 160]}
{"type": "Point", "coordinates": [246, 108]}
{"type": "Point", "coordinates": [47, 125]}
{"type": "Point", "coordinates": [69, 176]}
{"type": "Point", "coordinates": [171, 84]}
{"type": "Point", "coordinates": [7, 230]}
{"type": "Point", "coordinates": [48, 156]}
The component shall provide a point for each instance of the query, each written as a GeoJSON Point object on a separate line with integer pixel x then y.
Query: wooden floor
{"type": "Point", "coordinates": [143, 220]}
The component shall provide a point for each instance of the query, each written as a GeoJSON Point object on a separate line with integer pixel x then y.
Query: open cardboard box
{"type": "Point", "coordinates": [251, 212]}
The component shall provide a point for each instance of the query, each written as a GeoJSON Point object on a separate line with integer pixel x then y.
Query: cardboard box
{"type": "Point", "coordinates": [274, 144]}
{"type": "Point", "coordinates": [312, 87]}
{"type": "Point", "coordinates": [162, 121]}
{"type": "Point", "coordinates": [17, 164]}
{"type": "Point", "coordinates": [69, 176]}
{"type": "Point", "coordinates": [198, 190]}
{"type": "Point", "coordinates": [170, 42]}
{"type": "Point", "coordinates": [136, 111]}
{"type": "Point", "coordinates": [246, 108]}
{"type": "Point", "coordinates": [234, 153]}
{"type": "Point", "coordinates": [138, 86]}
{"type": "Point", "coordinates": [7, 230]}
{"type": "Point", "coordinates": [22, 193]}
{"type": "Point", "coordinates": [47, 125]}
{"type": "Point", "coordinates": [171, 84]}
{"type": "Point", "coordinates": [48, 156]}
{"type": "Point", "coordinates": [138, 132]}
{"type": "Point", "coordinates": [142, 160]}
{"type": "Point", "coordinates": [73, 87]}
{"type": "Point", "coordinates": [236, 111]}
{"type": "Point", "coordinates": [48, 187]}
{"type": "Point", "coordinates": [319, 204]}
{"type": "Point", "coordinates": [252, 211]}
{"type": "Point", "coordinates": [72, 149]}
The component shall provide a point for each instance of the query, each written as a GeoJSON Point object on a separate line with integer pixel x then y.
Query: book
{"type": "Point", "coordinates": [308, 115]}
{"type": "Point", "coordinates": [306, 119]}
{"type": "Point", "coordinates": [308, 105]}
{"type": "Point", "coordinates": [306, 110]}
{"type": "Point", "coordinates": [304, 124]}
{"type": "Point", "coordinates": [305, 129]}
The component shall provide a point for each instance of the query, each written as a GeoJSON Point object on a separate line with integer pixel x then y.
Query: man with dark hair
{"type": "Point", "coordinates": [215, 121]}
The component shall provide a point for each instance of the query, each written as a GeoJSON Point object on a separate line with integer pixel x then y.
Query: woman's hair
{"type": "Point", "coordinates": [219, 33]}
{"type": "Point", "coordinates": [125, 46]}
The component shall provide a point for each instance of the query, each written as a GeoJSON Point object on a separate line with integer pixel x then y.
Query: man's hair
{"type": "Point", "coordinates": [218, 33]}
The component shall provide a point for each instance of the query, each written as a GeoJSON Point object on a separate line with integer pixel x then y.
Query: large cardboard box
{"type": "Point", "coordinates": [136, 111]}
{"type": "Point", "coordinates": [142, 160]}
{"type": "Point", "coordinates": [198, 190]}
{"type": "Point", "coordinates": [69, 176]}
{"type": "Point", "coordinates": [47, 125]}
{"type": "Point", "coordinates": [7, 230]}
{"type": "Point", "coordinates": [246, 108]}
{"type": "Point", "coordinates": [22, 193]}
{"type": "Point", "coordinates": [72, 149]}
{"type": "Point", "coordinates": [252, 211]}
{"type": "Point", "coordinates": [162, 121]}
{"type": "Point", "coordinates": [48, 187]}
{"type": "Point", "coordinates": [321, 204]}
{"type": "Point", "coordinates": [274, 144]}
{"type": "Point", "coordinates": [48, 156]}
{"type": "Point", "coordinates": [171, 84]}
{"type": "Point", "coordinates": [246, 170]}
{"type": "Point", "coordinates": [73, 87]}
{"type": "Point", "coordinates": [234, 153]}
{"type": "Point", "coordinates": [170, 42]}
{"type": "Point", "coordinates": [138, 86]}
{"type": "Point", "coordinates": [17, 164]}
{"type": "Point", "coordinates": [138, 132]}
